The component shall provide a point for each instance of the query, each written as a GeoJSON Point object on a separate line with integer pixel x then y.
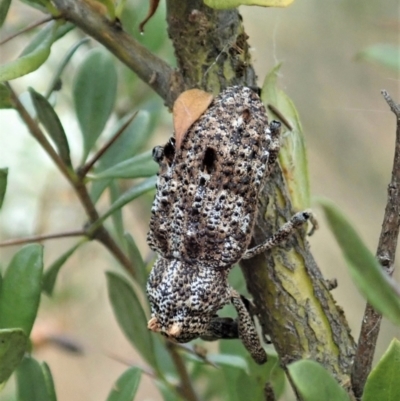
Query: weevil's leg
{"type": "Point", "coordinates": [221, 328]}
{"type": "Point", "coordinates": [275, 128]}
{"type": "Point", "coordinates": [283, 233]}
{"type": "Point", "coordinates": [247, 331]}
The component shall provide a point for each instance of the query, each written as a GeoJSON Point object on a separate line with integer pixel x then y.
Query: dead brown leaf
{"type": "Point", "coordinates": [152, 10]}
{"type": "Point", "coordinates": [188, 107]}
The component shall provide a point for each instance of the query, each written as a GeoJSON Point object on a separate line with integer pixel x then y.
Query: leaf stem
{"type": "Point", "coordinates": [44, 237]}
{"type": "Point", "coordinates": [385, 254]}
{"type": "Point", "coordinates": [88, 166]}
{"type": "Point", "coordinates": [28, 28]}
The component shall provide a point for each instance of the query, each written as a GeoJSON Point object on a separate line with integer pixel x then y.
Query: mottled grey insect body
{"type": "Point", "coordinates": [203, 216]}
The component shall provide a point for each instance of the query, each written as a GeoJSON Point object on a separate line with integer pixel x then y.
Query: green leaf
{"type": "Point", "coordinates": [251, 386]}
{"type": "Point", "coordinates": [94, 91]}
{"type": "Point", "coordinates": [314, 383]}
{"type": "Point", "coordinates": [35, 54]}
{"type": "Point", "coordinates": [48, 378]}
{"type": "Point", "coordinates": [383, 382]}
{"type": "Point", "coordinates": [136, 258]}
{"type": "Point", "coordinates": [13, 343]}
{"type": "Point", "coordinates": [3, 184]}
{"type": "Point", "coordinates": [4, 6]}
{"type": "Point", "coordinates": [127, 197]}
{"type": "Point", "coordinates": [141, 165]}
{"type": "Point", "coordinates": [49, 118]}
{"type": "Point", "coordinates": [293, 154]}
{"type": "Point", "coordinates": [21, 288]}
{"type": "Point", "coordinates": [56, 78]}
{"type": "Point", "coordinates": [127, 145]}
{"type": "Point", "coordinates": [385, 54]}
{"type": "Point", "coordinates": [223, 4]}
{"type": "Point", "coordinates": [381, 291]}
{"type": "Point", "coordinates": [5, 98]}
{"type": "Point", "coordinates": [51, 274]}
{"type": "Point", "coordinates": [42, 5]}
{"type": "Point", "coordinates": [130, 315]}
{"type": "Point", "coordinates": [234, 361]}
{"type": "Point", "coordinates": [31, 381]}
{"type": "Point", "coordinates": [118, 222]}
{"type": "Point", "coordinates": [126, 387]}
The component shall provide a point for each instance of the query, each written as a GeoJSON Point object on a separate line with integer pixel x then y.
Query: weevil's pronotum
{"type": "Point", "coordinates": [203, 216]}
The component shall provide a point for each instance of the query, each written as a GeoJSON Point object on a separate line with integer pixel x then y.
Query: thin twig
{"type": "Point", "coordinates": [186, 389]}
{"type": "Point", "coordinates": [87, 167]}
{"type": "Point", "coordinates": [28, 28]}
{"type": "Point", "coordinates": [145, 369]}
{"type": "Point", "coordinates": [45, 237]}
{"type": "Point", "coordinates": [168, 83]}
{"type": "Point", "coordinates": [385, 254]}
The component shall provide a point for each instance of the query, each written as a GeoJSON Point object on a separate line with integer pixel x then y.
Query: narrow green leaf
{"type": "Point", "coordinates": [5, 98]}
{"type": "Point", "coordinates": [51, 274]}
{"type": "Point", "coordinates": [35, 54]}
{"type": "Point", "coordinates": [56, 78]}
{"type": "Point", "coordinates": [136, 259]}
{"type": "Point", "coordinates": [43, 5]}
{"type": "Point", "coordinates": [383, 382]}
{"type": "Point", "coordinates": [49, 118]}
{"type": "Point", "coordinates": [3, 184]}
{"type": "Point", "coordinates": [116, 217]}
{"type": "Point", "coordinates": [13, 343]}
{"type": "Point", "coordinates": [21, 288]}
{"type": "Point", "coordinates": [61, 29]}
{"type": "Point", "coordinates": [48, 378]}
{"type": "Point", "coordinates": [314, 383]}
{"type": "Point", "coordinates": [127, 145]}
{"type": "Point", "coordinates": [128, 196]}
{"type": "Point", "coordinates": [384, 54]}
{"type": "Point", "coordinates": [234, 361]}
{"type": "Point", "coordinates": [126, 386]}
{"type": "Point", "coordinates": [381, 291]}
{"type": "Point", "coordinates": [141, 165]}
{"type": "Point", "coordinates": [4, 6]}
{"type": "Point", "coordinates": [293, 155]}
{"type": "Point", "coordinates": [94, 91]}
{"type": "Point", "coordinates": [224, 4]}
{"type": "Point", "coordinates": [130, 315]}
{"type": "Point", "coordinates": [31, 383]}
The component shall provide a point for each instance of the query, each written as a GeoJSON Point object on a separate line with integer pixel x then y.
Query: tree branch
{"type": "Point", "coordinates": [385, 254]}
{"type": "Point", "coordinates": [160, 76]}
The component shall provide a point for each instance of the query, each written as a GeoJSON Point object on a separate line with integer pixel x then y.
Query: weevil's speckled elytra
{"type": "Point", "coordinates": [203, 216]}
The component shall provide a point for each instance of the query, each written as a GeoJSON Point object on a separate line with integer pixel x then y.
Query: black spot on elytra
{"type": "Point", "coordinates": [209, 159]}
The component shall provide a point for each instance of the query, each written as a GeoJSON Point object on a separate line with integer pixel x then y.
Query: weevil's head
{"type": "Point", "coordinates": [184, 297]}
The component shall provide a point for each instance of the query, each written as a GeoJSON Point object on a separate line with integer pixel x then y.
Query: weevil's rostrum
{"type": "Point", "coordinates": [203, 216]}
